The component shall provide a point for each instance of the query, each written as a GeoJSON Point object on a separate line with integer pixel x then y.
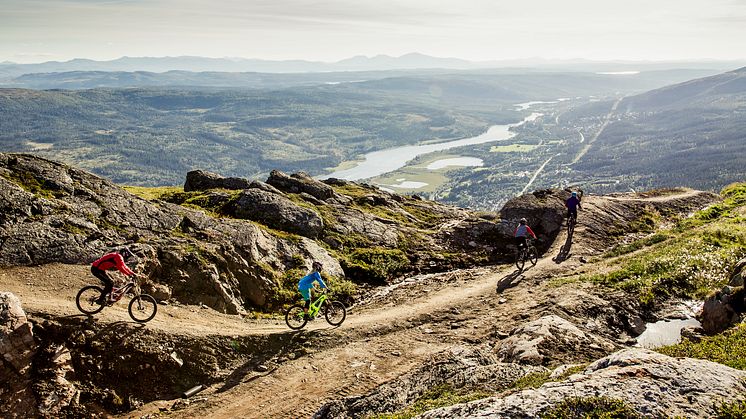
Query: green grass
{"type": "Point", "coordinates": [152, 193]}
{"type": "Point", "coordinates": [513, 148]}
{"type": "Point", "coordinates": [727, 348]}
{"type": "Point", "coordinates": [692, 259]}
{"type": "Point", "coordinates": [731, 410]}
{"type": "Point", "coordinates": [437, 397]}
{"type": "Point", "coordinates": [590, 408]}
{"type": "Point", "coordinates": [636, 245]}
{"type": "Point", "coordinates": [30, 183]}
{"type": "Point", "coordinates": [375, 264]}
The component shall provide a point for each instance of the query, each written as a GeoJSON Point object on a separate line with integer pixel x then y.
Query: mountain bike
{"type": "Point", "coordinates": [572, 219]}
{"type": "Point", "coordinates": [526, 253]}
{"type": "Point", "coordinates": [142, 307]}
{"type": "Point", "coordinates": [334, 312]}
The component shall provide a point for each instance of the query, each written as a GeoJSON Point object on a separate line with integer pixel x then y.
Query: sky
{"type": "Point", "coordinates": [331, 30]}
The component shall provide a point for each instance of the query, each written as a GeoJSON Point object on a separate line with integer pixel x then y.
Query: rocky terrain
{"type": "Point", "coordinates": [436, 316]}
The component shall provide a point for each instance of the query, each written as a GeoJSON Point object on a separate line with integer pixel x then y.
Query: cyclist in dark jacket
{"type": "Point", "coordinates": [573, 205]}
{"type": "Point", "coordinates": [110, 262]}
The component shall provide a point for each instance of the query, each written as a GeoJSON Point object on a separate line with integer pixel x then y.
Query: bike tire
{"type": "Point", "coordinates": [520, 260]}
{"type": "Point", "coordinates": [532, 255]}
{"type": "Point", "coordinates": [295, 318]}
{"type": "Point", "coordinates": [335, 313]}
{"type": "Point", "coordinates": [570, 226]}
{"type": "Point", "coordinates": [143, 308]}
{"type": "Point", "coordinates": [86, 299]}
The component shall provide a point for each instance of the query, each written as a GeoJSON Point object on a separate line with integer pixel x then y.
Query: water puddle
{"type": "Point", "coordinates": [664, 332]}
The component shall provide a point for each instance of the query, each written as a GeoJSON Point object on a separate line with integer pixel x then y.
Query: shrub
{"type": "Point", "coordinates": [590, 408]}
{"type": "Point", "coordinates": [374, 264]}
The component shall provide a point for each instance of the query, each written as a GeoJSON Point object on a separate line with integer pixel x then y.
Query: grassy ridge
{"type": "Point", "coordinates": [688, 261]}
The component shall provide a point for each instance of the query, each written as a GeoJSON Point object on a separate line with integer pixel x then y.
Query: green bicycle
{"type": "Point", "coordinates": [334, 312]}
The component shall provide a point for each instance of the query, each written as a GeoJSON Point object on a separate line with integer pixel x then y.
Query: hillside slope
{"type": "Point", "coordinates": [466, 330]}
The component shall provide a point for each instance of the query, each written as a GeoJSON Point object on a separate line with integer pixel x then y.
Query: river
{"type": "Point", "coordinates": [384, 161]}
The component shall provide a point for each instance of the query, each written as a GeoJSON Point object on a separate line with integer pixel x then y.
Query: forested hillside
{"type": "Point", "coordinates": [691, 133]}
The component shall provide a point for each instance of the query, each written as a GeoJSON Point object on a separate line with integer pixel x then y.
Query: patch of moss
{"type": "Point", "coordinates": [29, 183]}
{"type": "Point", "coordinates": [435, 398]}
{"type": "Point", "coordinates": [731, 410]}
{"type": "Point", "coordinates": [152, 193]}
{"type": "Point", "coordinates": [532, 380]}
{"type": "Point", "coordinates": [590, 408]}
{"type": "Point", "coordinates": [374, 264]}
{"type": "Point", "coordinates": [727, 348]}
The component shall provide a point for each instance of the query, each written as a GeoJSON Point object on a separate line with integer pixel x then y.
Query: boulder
{"type": "Point", "coordinates": [17, 350]}
{"type": "Point", "coordinates": [653, 384]}
{"type": "Point", "coordinates": [548, 339]}
{"type": "Point", "coordinates": [458, 368]}
{"type": "Point", "coordinates": [277, 212]}
{"type": "Point", "coordinates": [201, 180]}
{"type": "Point", "coordinates": [300, 182]}
{"type": "Point", "coordinates": [722, 309]}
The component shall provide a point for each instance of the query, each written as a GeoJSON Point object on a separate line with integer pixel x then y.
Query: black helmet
{"type": "Point", "coordinates": [523, 221]}
{"type": "Point", "coordinates": [317, 266]}
{"type": "Point", "coordinates": [126, 253]}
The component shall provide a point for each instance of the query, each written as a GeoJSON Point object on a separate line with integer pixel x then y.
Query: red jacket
{"type": "Point", "coordinates": [524, 232]}
{"type": "Point", "coordinates": [111, 261]}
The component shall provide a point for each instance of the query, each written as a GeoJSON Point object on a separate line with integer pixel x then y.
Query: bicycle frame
{"type": "Point", "coordinates": [316, 305]}
{"type": "Point", "coordinates": [118, 292]}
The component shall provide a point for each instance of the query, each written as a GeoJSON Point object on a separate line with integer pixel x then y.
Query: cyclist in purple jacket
{"type": "Point", "coordinates": [306, 283]}
{"type": "Point", "coordinates": [573, 205]}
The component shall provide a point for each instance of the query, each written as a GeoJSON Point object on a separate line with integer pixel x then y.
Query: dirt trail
{"type": "Point", "coordinates": [377, 342]}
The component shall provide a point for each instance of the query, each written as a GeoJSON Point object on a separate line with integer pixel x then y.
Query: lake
{"type": "Point", "coordinates": [384, 161]}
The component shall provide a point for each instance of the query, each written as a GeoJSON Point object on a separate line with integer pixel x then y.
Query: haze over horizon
{"type": "Point", "coordinates": [34, 31]}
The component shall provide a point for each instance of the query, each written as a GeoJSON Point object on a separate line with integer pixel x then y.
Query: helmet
{"type": "Point", "coordinates": [523, 221]}
{"type": "Point", "coordinates": [317, 266]}
{"type": "Point", "coordinates": [126, 253]}
{"type": "Point", "coordinates": [574, 193]}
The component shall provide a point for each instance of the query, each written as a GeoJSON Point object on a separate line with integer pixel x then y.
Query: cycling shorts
{"type": "Point", "coordinates": [306, 294]}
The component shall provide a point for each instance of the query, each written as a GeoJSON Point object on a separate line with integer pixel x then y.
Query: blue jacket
{"type": "Point", "coordinates": [307, 281]}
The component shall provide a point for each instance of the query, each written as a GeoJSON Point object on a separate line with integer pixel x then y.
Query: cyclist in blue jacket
{"type": "Point", "coordinates": [306, 283]}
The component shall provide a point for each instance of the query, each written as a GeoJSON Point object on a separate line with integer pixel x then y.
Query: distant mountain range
{"type": "Point", "coordinates": [9, 70]}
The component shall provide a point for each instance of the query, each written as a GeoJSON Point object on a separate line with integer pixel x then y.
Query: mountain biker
{"type": "Point", "coordinates": [306, 283]}
{"type": "Point", "coordinates": [109, 262]}
{"type": "Point", "coordinates": [522, 232]}
{"type": "Point", "coordinates": [573, 205]}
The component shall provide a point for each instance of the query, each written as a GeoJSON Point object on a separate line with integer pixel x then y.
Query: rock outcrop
{"type": "Point", "coordinates": [300, 183]}
{"type": "Point", "coordinates": [653, 384]}
{"type": "Point", "coordinates": [17, 349]}
{"type": "Point", "coordinates": [549, 338]}
{"type": "Point", "coordinates": [201, 180]}
{"type": "Point", "coordinates": [50, 212]}
{"type": "Point", "coordinates": [460, 368]}
{"type": "Point", "coordinates": [276, 211]}
{"type": "Point", "coordinates": [722, 309]}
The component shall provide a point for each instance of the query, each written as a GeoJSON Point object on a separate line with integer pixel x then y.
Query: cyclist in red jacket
{"type": "Point", "coordinates": [522, 232]}
{"type": "Point", "coordinates": [110, 262]}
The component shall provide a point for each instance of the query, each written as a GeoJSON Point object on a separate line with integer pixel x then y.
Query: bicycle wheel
{"type": "Point", "coordinates": [295, 318]}
{"type": "Point", "coordinates": [143, 308]}
{"type": "Point", "coordinates": [532, 255]}
{"type": "Point", "coordinates": [520, 259]}
{"type": "Point", "coordinates": [87, 298]}
{"type": "Point", "coordinates": [335, 313]}
{"type": "Point", "coordinates": [570, 225]}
